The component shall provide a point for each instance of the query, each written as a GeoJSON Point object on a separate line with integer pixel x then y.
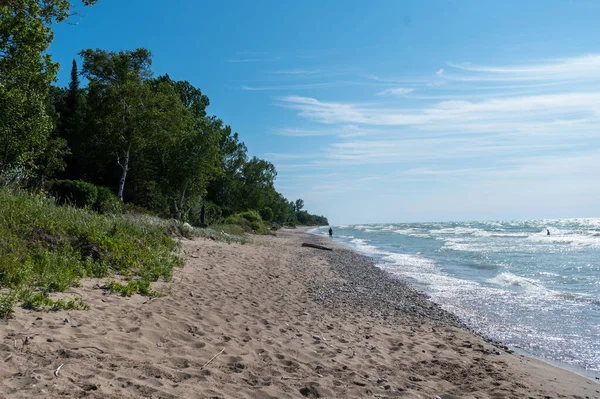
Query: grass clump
{"type": "Point", "coordinates": [225, 233]}
{"type": "Point", "coordinates": [39, 301]}
{"type": "Point", "coordinates": [139, 286]}
{"type": "Point", "coordinates": [46, 248]}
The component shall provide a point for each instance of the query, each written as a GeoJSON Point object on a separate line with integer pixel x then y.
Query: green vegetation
{"type": "Point", "coordinates": [94, 180]}
{"type": "Point", "coordinates": [47, 248]}
{"type": "Point", "coordinates": [139, 286]}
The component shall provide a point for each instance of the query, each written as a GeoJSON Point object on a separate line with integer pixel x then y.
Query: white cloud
{"type": "Point", "coordinates": [397, 91]}
{"type": "Point", "coordinates": [490, 130]}
{"type": "Point", "coordinates": [454, 114]}
{"type": "Point", "coordinates": [583, 68]}
{"type": "Point", "coordinates": [298, 72]}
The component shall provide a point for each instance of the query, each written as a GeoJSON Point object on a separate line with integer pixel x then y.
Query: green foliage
{"type": "Point", "coordinates": [139, 286]}
{"type": "Point", "coordinates": [39, 301]}
{"type": "Point", "coordinates": [107, 201]}
{"type": "Point", "coordinates": [26, 72]}
{"type": "Point", "coordinates": [267, 214]}
{"type": "Point", "coordinates": [212, 212]}
{"type": "Point", "coordinates": [75, 192]}
{"type": "Point", "coordinates": [249, 221]}
{"type": "Point", "coordinates": [47, 248]}
{"type": "Point", "coordinates": [229, 233]}
{"type": "Point", "coordinates": [232, 229]}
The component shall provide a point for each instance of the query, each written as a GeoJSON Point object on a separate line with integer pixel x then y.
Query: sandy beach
{"type": "Point", "coordinates": [268, 319]}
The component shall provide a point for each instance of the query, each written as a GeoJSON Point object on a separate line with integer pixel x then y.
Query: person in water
{"type": "Point", "coordinates": [547, 232]}
{"type": "Point", "coordinates": [330, 232]}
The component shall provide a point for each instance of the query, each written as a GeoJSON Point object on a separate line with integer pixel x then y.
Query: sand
{"type": "Point", "coordinates": [269, 319]}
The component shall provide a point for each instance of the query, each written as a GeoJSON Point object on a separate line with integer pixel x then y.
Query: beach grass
{"type": "Point", "coordinates": [46, 248]}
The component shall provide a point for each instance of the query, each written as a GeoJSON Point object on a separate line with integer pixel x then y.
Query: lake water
{"type": "Point", "coordinates": [510, 281]}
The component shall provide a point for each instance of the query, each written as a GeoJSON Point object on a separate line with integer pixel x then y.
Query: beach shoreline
{"type": "Point", "coordinates": [269, 319]}
{"type": "Point", "coordinates": [594, 376]}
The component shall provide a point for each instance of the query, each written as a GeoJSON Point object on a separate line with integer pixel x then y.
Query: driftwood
{"type": "Point", "coordinates": [58, 370]}
{"type": "Point", "coordinates": [213, 358]}
{"type": "Point", "coordinates": [305, 244]}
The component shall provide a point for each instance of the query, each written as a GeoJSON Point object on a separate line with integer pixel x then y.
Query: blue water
{"type": "Point", "coordinates": [507, 280]}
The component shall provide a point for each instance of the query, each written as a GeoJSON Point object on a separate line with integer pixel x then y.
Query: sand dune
{"type": "Point", "coordinates": [259, 314]}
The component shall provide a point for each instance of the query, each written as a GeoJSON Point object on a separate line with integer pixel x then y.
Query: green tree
{"type": "Point", "coordinates": [26, 72]}
{"type": "Point", "coordinates": [258, 176]}
{"type": "Point", "coordinates": [185, 149]}
{"type": "Point", "coordinates": [299, 205]}
{"type": "Point", "coordinates": [224, 190]}
{"type": "Point", "coordinates": [118, 91]}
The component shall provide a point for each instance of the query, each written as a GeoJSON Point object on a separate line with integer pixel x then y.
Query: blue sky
{"type": "Point", "coordinates": [388, 111]}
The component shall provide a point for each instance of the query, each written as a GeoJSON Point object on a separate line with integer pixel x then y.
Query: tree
{"type": "Point", "coordinates": [117, 86]}
{"type": "Point", "coordinates": [186, 149]}
{"type": "Point", "coordinates": [26, 71]}
{"type": "Point", "coordinates": [299, 205]}
{"type": "Point", "coordinates": [258, 176]}
{"type": "Point", "coordinates": [225, 188]}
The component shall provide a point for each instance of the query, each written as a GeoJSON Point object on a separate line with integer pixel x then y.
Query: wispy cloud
{"type": "Point", "coordinates": [448, 114]}
{"type": "Point", "coordinates": [305, 86]}
{"type": "Point", "coordinates": [245, 57]}
{"type": "Point", "coordinates": [344, 131]}
{"type": "Point", "coordinates": [395, 91]}
{"type": "Point", "coordinates": [505, 119]}
{"type": "Point", "coordinates": [297, 72]}
{"type": "Point", "coordinates": [583, 68]}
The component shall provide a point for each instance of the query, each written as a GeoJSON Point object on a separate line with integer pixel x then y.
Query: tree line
{"type": "Point", "coordinates": [148, 139]}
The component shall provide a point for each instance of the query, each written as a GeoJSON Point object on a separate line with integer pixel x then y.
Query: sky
{"type": "Point", "coordinates": [387, 111]}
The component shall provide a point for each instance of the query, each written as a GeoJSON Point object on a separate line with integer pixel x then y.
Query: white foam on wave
{"type": "Point", "coordinates": [499, 234]}
{"type": "Point", "coordinates": [574, 240]}
{"type": "Point", "coordinates": [365, 247]}
{"type": "Point", "coordinates": [455, 230]}
{"type": "Point", "coordinates": [314, 230]}
{"type": "Point", "coordinates": [412, 232]}
{"type": "Point", "coordinates": [509, 279]}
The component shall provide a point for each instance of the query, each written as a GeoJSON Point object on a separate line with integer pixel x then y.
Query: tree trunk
{"type": "Point", "coordinates": [179, 207]}
{"type": "Point", "coordinates": [125, 169]}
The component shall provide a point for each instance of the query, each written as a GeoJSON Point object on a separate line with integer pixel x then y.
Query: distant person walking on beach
{"type": "Point", "coordinates": [330, 232]}
{"type": "Point", "coordinates": [547, 232]}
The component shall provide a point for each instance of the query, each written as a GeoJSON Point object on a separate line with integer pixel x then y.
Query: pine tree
{"type": "Point", "coordinates": [71, 125]}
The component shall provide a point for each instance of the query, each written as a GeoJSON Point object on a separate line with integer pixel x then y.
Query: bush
{"type": "Point", "coordinates": [75, 192]}
{"type": "Point", "coordinates": [267, 214]}
{"type": "Point", "coordinates": [250, 221]}
{"type": "Point", "coordinates": [212, 213]}
{"type": "Point", "coordinates": [251, 216]}
{"type": "Point", "coordinates": [107, 201]}
{"type": "Point", "coordinates": [133, 209]}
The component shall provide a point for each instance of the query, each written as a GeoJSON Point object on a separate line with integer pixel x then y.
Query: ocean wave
{"type": "Point", "coordinates": [573, 240]}
{"type": "Point", "coordinates": [509, 279]}
{"type": "Point", "coordinates": [455, 230]}
{"type": "Point", "coordinates": [412, 232]}
{"type": "Point", "coordinates": [365, 247]}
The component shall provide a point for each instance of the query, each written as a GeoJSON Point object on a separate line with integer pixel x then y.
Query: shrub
{"type": "Point", "coordinates": [75, 192]}
{"type": "Point", "coordinates": [250, 221]}
{"type": "Point", "coordinates": [251, 216]}
{"type": "Point", "coordinates": [107, 201]}
{"type": "Point", "coordinates": [267, 214]}
{"type": "Point", "coordinates": [212, 213]}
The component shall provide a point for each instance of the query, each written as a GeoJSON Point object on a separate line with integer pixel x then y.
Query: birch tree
{"type": "Point", "coordinates": [118, 91]}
